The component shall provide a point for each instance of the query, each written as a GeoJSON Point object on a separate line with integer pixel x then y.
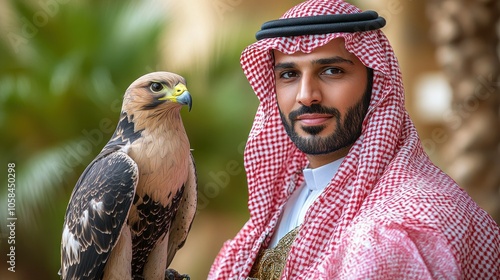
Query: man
{"type": "Point", "coordinates": [339, 185]}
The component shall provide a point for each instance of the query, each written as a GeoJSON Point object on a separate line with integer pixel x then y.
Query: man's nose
{"type": "Point", "coordinates": [309, 91]}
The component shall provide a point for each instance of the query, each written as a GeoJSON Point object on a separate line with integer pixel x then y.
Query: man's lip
{"type": "Point", "coordinates": [313, 119]}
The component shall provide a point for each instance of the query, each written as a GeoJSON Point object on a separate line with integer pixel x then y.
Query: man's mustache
{"type": "Point", "coordinates": [313, 109]}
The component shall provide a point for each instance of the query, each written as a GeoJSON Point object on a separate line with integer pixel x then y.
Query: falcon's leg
{"type": "Point", "coordinates": [171, 274]}
{"type": "Point", "coordinates": [118, 265]}
{"type": "Point", "coordinates": [157, 260]}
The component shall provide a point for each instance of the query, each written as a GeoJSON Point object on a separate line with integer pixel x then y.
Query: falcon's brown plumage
{"type": "Point", "coordinates": [133, 206]}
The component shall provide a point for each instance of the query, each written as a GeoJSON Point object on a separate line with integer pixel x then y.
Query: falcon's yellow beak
{"type": "Point", "coordinates": [180, 95]}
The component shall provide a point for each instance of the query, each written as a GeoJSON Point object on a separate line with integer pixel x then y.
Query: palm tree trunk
{"type": "Point", "coordinates": [467, 40]}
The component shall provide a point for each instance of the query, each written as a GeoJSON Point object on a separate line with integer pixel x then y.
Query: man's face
{"type": "Point", "coordinates": [322, 97]}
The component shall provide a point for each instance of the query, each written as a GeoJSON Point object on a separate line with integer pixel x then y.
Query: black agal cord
{"type": "Point", "coordinates": [322, 24]}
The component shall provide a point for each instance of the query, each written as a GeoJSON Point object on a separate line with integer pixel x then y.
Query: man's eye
{"type": "Point", "coordinates": [333, 71]}
{"type": "Point", "coordinates": [288, 75]}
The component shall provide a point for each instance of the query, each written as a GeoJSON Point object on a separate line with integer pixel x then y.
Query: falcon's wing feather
{"type": "Point", "coordinates": [183, 219]}
{"type": "Point", "coordinates": [96, 213]}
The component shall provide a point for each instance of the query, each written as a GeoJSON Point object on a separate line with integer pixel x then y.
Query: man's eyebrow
{"type": "Point", "coordinates": [284, 65]}
{"type": "Point", "coordinates": [333, 60]}
{"type": "Point", "coordinates": [320, 61]}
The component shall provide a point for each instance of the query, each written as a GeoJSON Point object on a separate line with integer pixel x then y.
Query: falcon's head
{"type": "Point", "coordinates": [157, 91]}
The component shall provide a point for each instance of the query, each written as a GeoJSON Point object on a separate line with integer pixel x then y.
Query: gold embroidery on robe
{"type": "Point", "coordinates": [270, 263]}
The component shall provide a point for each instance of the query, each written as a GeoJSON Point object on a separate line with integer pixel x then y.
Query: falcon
{"type": "Point", "coordinates": [133, 206]}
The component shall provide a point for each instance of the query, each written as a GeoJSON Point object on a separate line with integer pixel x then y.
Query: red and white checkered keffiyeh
{"type": "Point", "coordinates": [388, 213]}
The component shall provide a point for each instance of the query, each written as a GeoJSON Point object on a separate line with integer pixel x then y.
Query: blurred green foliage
{"type": "Point", "coordinates": [63, 70]}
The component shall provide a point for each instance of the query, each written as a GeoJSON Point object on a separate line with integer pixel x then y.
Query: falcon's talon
{"type": "Point", "coordinates": [172, 274]}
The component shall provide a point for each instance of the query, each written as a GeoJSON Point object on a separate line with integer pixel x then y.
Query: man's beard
{"type": "Point", "coordinates": [345, 133]}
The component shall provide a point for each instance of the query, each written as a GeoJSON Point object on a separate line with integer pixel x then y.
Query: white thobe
{"type": "Point", "coordinates": [315, 181]}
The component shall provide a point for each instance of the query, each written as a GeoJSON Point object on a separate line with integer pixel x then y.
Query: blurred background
{"type": "Point", "coordinates": [65, 64]}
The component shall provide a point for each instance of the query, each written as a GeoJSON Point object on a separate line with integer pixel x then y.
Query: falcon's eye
{"type": "Point", "coordinates": [156, 87]}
